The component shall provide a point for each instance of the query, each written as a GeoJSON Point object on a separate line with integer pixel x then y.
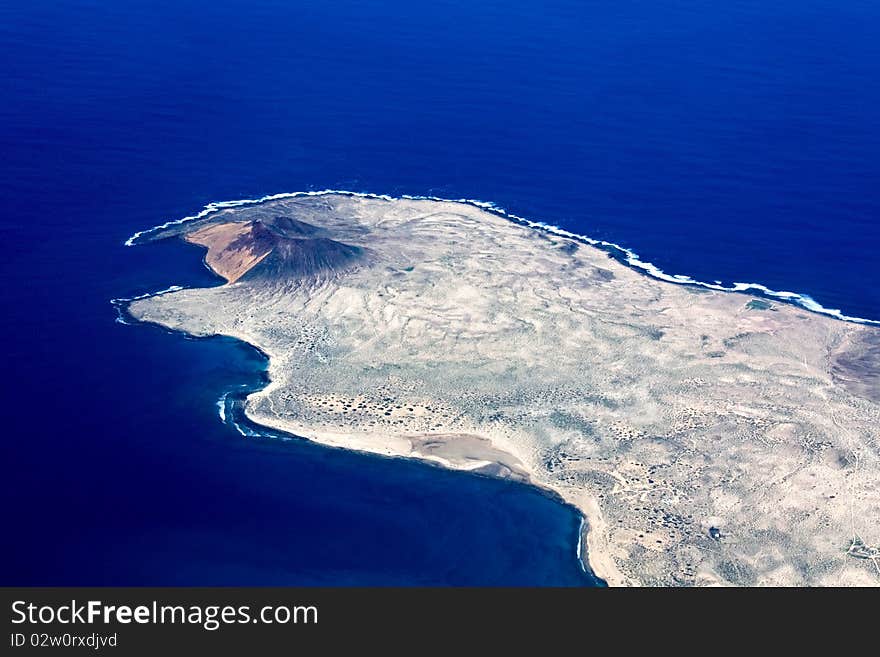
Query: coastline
{"type": "Point", "coordinates": [234, 411]}
{"type": "Point", "coordinates": [590, 553]}
{"type": "Point", "coordinates": [594, 549]}
{"type": "Point", "coordinates": [591, 548]}
{"type": "Point", "coordinates": [622, 254]}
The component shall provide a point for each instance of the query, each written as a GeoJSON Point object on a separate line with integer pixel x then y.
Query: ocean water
{"type": "Point", "coordinates": [734, 141]}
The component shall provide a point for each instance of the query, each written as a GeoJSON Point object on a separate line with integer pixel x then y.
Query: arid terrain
{"type": "Point", "coordinates": [708, 437]}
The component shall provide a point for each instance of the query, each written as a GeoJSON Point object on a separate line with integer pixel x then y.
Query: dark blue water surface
{"type": "Point", "coordinates": [736, 141]}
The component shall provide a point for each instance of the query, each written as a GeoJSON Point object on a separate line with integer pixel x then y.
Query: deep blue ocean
{"type": "Point", "coordinates": [734, 141]}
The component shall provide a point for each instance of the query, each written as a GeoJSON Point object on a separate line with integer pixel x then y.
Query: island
{"type": "Point", "coordinates": [707, 437]}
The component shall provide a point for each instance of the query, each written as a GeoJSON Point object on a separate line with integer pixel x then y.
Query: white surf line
{"type": "Point", "coordinates": [221, 407]}
{"type": "Point", "coordinates": [242, 431]}
{"type": "Point", "coordinates": [121, 302]}
{"type": "Point", "coordinates": [630, 257]}
{"type": "Point", "coordinates": [172, 288]}
{"type": "Point", "coordinates": [580, 544]}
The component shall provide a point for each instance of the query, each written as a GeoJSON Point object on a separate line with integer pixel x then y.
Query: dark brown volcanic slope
{"type": "Point", "coordinates": [270, 248]}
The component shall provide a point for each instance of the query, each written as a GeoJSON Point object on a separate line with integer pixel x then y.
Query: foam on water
{"type": "Point", "coordinates": [221, 407]}
{"type": "Point", "coordinates": [580, 545]}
